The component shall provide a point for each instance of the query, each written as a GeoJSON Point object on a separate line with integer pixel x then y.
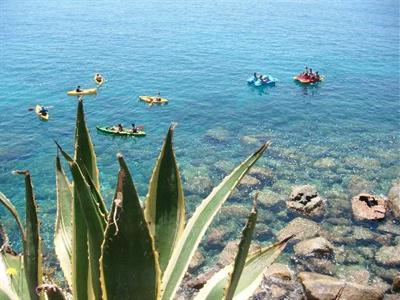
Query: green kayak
{"type": "Point", "coordinates": [113, 130]}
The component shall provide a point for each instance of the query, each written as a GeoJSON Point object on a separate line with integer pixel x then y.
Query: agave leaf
{"type": "Point", "coordinates": [84, 150]}
{"type": "Point", "coordinates": [12, 275]}
{"type": "Point", "coordinates": [80, 253]}
{"type": "Point", "coordinates": [198, 224]}
{"type": "Point", "coordinates": [7, 203]}
{"type": "Point", "coordinates": [6, 294]}
{"type": "Point", "coordinates": [52, 292]}
{"type": "Point", "coordinates": [86, 158]}
{"type": "Point", "coordinates": [64, 227]}
{"type": "Point", "coordinates": [129, 265]}
{"type": "Point", "coordinates": [254, 268]}
{"type": "Point", "coordinates": [165, 207]}
{"type": "Point", "coordinates": [32, 245]}
{"type": "Point", "coordinates": [99, 199]}
{"type": "Point", "coordinates": [241, 256]}
{"type": "Point", "coordinates": [95, 223]}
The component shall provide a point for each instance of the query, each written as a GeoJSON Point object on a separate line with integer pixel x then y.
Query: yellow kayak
{"type": "Point", "coordinates": [42, 116]}
{"type": "Point", "coordinates": [153, 99]}
{"type": "Point", "coordinates": [82, 92]}
{"type": "Point", "coordinates": [99, 83]}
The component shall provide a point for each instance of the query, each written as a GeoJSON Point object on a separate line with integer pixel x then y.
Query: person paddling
{"type": "Point", "coordinates": [78, 89]}
{"type": "Point", "coordinates": [99, 78]}
{"type": "Point", "coordinates": [158, 97]}
{"type": "Point", "coordinates": [43, 111]}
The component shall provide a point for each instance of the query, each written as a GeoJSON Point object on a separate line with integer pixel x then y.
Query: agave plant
{"type": "Point", "coordinates": [130, 251]}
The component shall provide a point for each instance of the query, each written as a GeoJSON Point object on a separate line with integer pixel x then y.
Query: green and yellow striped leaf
{"type": "Point", "coordinates": [198, 224]}
{"type": "Point", "coordinates": [241, 256]}
{"type": "Point", "coordinates": [10, 207]}
{"type": "Point", "coordinates": [64, 226]}
{"type": "Point", "coordinates": [32, 245]}
{"type": "Point", "coordinates": [86, 159]}
{"type": "Point", "coordinates": [12, 275]}
{"type": "Point", "coordinates": [254, 268]}
{"type": "Point", "coordinates": [95, 223]}
{"type": "Point", "coordinates": [165, 206]}
{"type": "Point", "coordinates": [129, 265]}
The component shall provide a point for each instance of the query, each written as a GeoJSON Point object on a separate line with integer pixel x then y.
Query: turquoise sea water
{"type": "Point", "coordinates": [199, 55]}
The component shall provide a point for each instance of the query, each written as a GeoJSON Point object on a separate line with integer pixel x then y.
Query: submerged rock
{"type": "Point", "coordinates": [249, 182]}
{"type": "Point", "coordinates": [224, 166]}
{"type": "Point", "coordinates": [197, 261]}
{"type": "Point", "coordinates": [355, 274]}
{"type": "Point", "coordinates": [316, 247]}
{"type": "Point", "coordinates": [359, 185]}
{"type": "Point", "coordinates": [216, 238]}
{"type": "Point", "coordinates": [305, 200]}
{"type": "Point", "coordinates": [301, 228]}
{"type": "Point", "coordinates": [262, 174]}
{"type": "Point", "coordinates": [199, 185]}
{"type": "Point", "coordinates": [396, 283]}
{"type": "Point", "coordinates": [362, 163]}
{"type": "Point", "coordinates": [219, 135]}
{"type": "Point", "coordinates": [280, 271]}
{"type": "Point", "coordinates": [325, 163]}
{"type": "Point", "coordinates": [278, 284]}
{"type": "Point", "coordinates": [394, 199]}
{"type": "Point", "coordinates": [323, 287]}
{"type": "Point", "coordinates": [250, 140]}
{"type": "Point", "coordinates": [390, 227]}
{"type": "Point", "coordinates": [268, 198]}
{"type": "Point", "coordinates": [368, 207]}
{"type": "Point", "coordinates": [388, 255]}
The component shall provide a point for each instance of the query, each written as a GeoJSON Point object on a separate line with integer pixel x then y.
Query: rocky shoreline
{"type": "Point", "coordinates": [347, 249]}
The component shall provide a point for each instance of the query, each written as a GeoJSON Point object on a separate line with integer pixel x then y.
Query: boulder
{"type": "Point", "coordinates": [301, 228]}
{"type": "Point", "coordinates": [325, 163]}
{"type": "Point", "coordinates": [389, 227]}
{"type": "Point", "coordinates": [216, 238]}
{"type": "Point", "coordinates": [200, 185]}
{"type": "Point", "coordinates": [224, 166]}
{"type": "Point", "coordinates": [368, 207]}
{"type": "Point", "coordinates": [198, 282]}
{"type": "Point", "coordinates": [262, 174]}
{"type": "Point", "coordinates": [197, 261]}
{"type": "Point", "coordinates": [396, 283]}
{"type": "Point", "coordinates": [315, 264]}
{"type": "Point", "coordinates": [355, 274]}
{"type": "Point", "coordinates": [250, 140]}
{"type": "Point", "coordinates": [278, 284]}
{"type": "Point", "coordinates": [269, 198]}
{"type": "Point", "coordinates": [358, 185]}
{"type": "Point", "coordinates": [219, 135]}
{"type": "Point", "coordinates": [394, 199]}
{"type": "Point", "coordinates": [249, 182]}
{"type": "Point", "coordinates": [305, 200]}
{"type": "Point", "coordinates": [388, 255]}
{"type": "Point", "coordinates": [323, 287]}
{"type": "Point", "coordinates": [234, 211]}
{"type": "Point", "coordinates": [280, 271]}
{"type": "Point", "coordinates": [316, 247]}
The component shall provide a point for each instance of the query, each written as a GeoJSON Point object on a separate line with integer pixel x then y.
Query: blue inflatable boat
{"type": "Point", "coordinates": [259, 79]}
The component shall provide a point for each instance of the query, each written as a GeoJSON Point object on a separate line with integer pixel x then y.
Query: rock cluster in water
{"type": "Point", "coordinates": [305, 200]}
{"type": "Point", "coordinates": [346, 241]}
{"type": "Point", "coordinates": [368, 207]}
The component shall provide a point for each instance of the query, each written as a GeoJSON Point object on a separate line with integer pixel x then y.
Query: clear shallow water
{"type": "Point", "coordinates": [199, 55]}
